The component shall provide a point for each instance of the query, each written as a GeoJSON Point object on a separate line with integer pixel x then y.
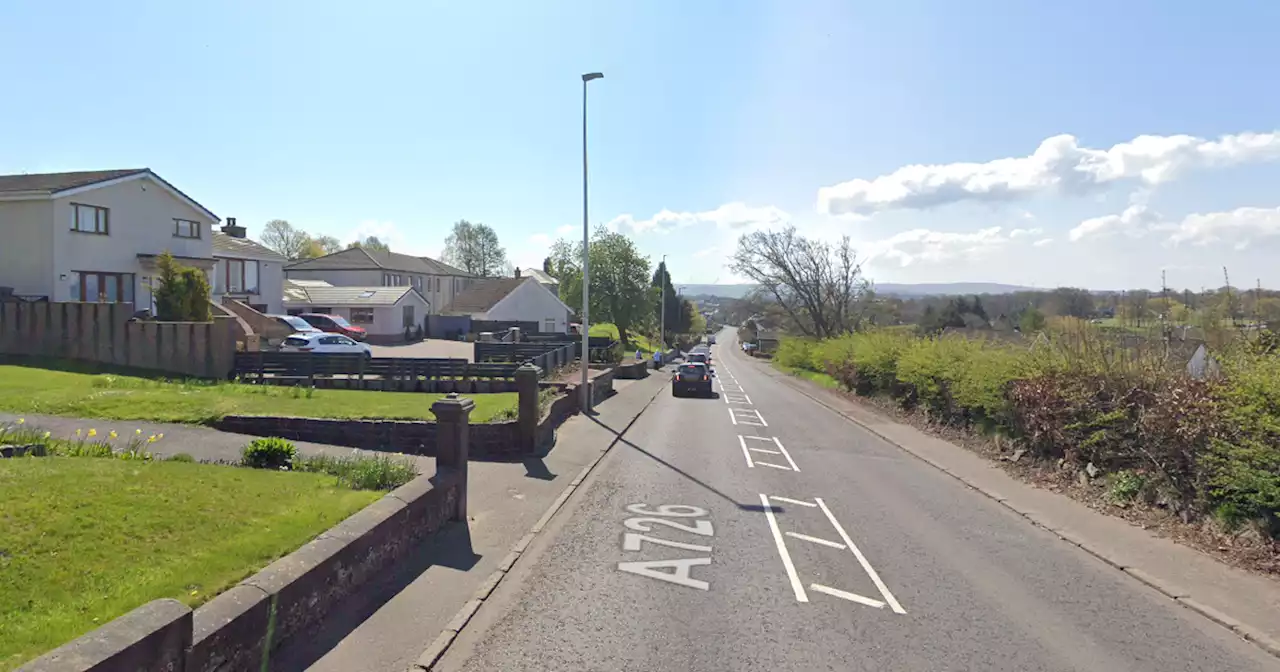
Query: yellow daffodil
{"type": "Point", "coordinates": [160, 435]}
{"type": "Point", "coordinates": [137, 432]}
{"type": "Point", "coordinates": [113, 434]}
{"type": "Point", "coordinates": [22, 421]}
{"type": "Point", "coordinates": [48, 434]}
{"type": "Point", "coordinates": [151, 439]}
{"type": "Point", "coordinates": [93, 433]}
{"type": "Point", "coordinates": [77, 432]}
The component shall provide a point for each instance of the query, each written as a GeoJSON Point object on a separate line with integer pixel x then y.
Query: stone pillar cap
{"type": "Point", "coordinates": [452, 403]}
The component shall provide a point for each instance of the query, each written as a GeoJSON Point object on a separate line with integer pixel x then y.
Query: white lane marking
{"type": "Point", "coordinates": [766, 450]}
{"type": "Point", "coordinates": [796, 586]}
{"type": "Point", "coordinates": [862, 559]}
{"type": "Point", "coordinates": [747, 416]}
{"type": "Point", "coordinates": [735, 398]}
{"type": "Point", "coordinates": [852, 597]}
{"type": "Point", "coordinates": [790, 501]}
{"type": "Point", "coordinates": [824, 542]}
{"type": "Point", "coordinates": [775, 466]}
{"type": "Point", "coordinates": [758, 438]}
{"type": "Point", "coordinates": [786, 455]}
{"type": "Point", "coordinates": [745, 452]}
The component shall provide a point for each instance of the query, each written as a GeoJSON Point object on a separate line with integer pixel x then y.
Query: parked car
{"type": "Point", "coordinates": [297, 324]}
{"type": "Point", "coordinates": [692, 377]}
{"type": "Point", "coordinates": [335, 324]}
{"type": "Point", "coordinates": [711, 340]}
{"type": "Point", "coordinates": [323, 343]}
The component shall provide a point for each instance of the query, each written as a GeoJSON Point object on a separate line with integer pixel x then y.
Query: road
{"type": "Point", "coordinates": [760, 531]}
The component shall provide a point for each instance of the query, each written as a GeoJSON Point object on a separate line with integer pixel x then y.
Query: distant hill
{"type": "Point", "coordinates": [884, 289]}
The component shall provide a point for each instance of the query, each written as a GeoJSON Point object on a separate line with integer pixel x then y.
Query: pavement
{"type": "Point", "coordinates": [760, 530]}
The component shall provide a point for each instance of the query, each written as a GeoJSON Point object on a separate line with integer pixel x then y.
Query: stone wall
{"type": "Point", "coordinates": [492, 440]}
{"type": "Point", "coordinates": [285, 601]}
{"type": "Point", "coordinates": [102, 332]}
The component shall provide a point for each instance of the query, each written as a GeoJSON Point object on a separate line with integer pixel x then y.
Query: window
{"type": "Point", "coordinates": [94, 286]}
{"type": "Point", "coordinates": [408, 316]}
{"type": "Point", "coordinates": [549, 325]}
{"type": "Point", "coordinates": [89, 219]}
{"type": "Point", "coordinates": [238, 276]}
{"type": "Point", "coordinates": [392, 280]}
{"type": "Point", "coordinates": [362, 316]}
{"type": "Point", "coordinates": [417, 282]}
{"type": "Point", "coordinates": [185, 228]}
{"type": "Point", "coordinates": [331, 340]}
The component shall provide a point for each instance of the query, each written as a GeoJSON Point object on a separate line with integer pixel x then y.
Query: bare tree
{"type": "Point", "coordinates": [370, 243]}
{"type": "Point", "coordinates": [282, 237]}
{"type": "Point", "coordinates": [475, 249]}
{"type": "Point", "coordinates": [819, 285]}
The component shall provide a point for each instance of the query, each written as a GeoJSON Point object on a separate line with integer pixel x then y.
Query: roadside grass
{"type": "Point", "coordinates": [119, 397]}
{"type": "Point", "coordinates": [83, 540]}
{"type": "Point", "coordinates": [638, 340]}
{"type": "Point", "coordinates": [819, 378]}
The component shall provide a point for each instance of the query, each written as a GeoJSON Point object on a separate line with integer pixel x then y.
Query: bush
{"type": "Point", "coordinates": [180, 457]}
{"type": "Point", "coordinates": [358, 472]}
{"type": "Point", "coordinates": [270, 453]}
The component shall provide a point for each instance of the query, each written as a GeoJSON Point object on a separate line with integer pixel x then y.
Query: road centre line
{"type": "Point", "coordinates": [862, 559]}
{"type": "Point", "coordinates": [791, 501]}
{"type": "Point", "coordinates": [852, 597]}
{"type": "Point", "coordinates": [796, 586]}
{"type": "Point", "coordinates": [816, 540]}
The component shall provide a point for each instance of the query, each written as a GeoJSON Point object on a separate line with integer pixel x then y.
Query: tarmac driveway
{"type": "Point", "coordinates": [430, 348]}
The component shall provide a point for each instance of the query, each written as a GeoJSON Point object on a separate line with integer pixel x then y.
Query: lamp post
{"type": "Point", "coordinates": [586, 257]}
{"type": "Point", "coordinates": [662, 330]}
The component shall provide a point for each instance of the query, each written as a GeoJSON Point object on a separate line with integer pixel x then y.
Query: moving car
{"type": "Point", "coordinates": [335, 324]}
{"type": "Point", "coordinates": [692, 377]}
{"type": "Point", "coordinates": [711, 340]}
{"type": "Point", "coordinates": [699, 358]}
{"type": "Point", "coordinates": [322, 343]}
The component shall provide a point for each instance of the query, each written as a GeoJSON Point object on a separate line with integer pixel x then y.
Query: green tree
{"type": "Point", "coordinates": [1031, 321]}
{"type": "Point", "coordinates": [619, 280]}
{"type": "Point", "coordinates": [475, 249]}
{"type": "Point", "coordinates": [181, 293]}
{"type": "Point", "coordinates": [370, 243]}
{"type": "Point", "coordinates": [320, 246]}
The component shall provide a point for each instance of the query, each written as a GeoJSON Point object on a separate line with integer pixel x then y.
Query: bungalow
{"type": "Point", "coordinates": [541, 276]}
{"type": "Point", "coordinates": [383, 312]}
{"type": "Point", "coordinates": [518, 299]}
{"type": "Point", "coordinates": [435, 281]}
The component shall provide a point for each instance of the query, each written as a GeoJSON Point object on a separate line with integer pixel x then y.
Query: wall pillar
{"type": "Point", "coordinates": [453, 420]}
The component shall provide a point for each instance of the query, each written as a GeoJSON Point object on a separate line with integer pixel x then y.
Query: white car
{"type": "Point", "coordinates": [325, 344]}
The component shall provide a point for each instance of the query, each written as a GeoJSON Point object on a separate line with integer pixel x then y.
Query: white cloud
{"type": "Point", "coordinates": [1239, 227]}
{"type": "Point", "coordinates": [915, 245]}
{"type": "Point", "coordinates": [566, 229]}
{"type": "Point", "coordinates": [540, 239]}
{"type": "Point", "coordinates": [1043, 242]}
{"type": "Point", "coordinates": [736, 217]}
{"type": "Point", "coordinates": [1058, 163]}
{"type": "Point", "coordinates": [1135, 221]}
{"type": "Point", "coordinates": [1019, 233]}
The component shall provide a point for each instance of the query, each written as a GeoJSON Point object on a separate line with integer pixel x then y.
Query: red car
{"type": "Point", "coordinates": [335, 324]}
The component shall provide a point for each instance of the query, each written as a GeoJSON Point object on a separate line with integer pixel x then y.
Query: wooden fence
{"type": "Point", "coordinates": [357, 372]}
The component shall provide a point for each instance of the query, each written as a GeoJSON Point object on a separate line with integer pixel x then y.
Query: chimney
{"type": "Point", "coordinates": [517, 271]}
{"type": "Point", "coordinates": [231, 229]}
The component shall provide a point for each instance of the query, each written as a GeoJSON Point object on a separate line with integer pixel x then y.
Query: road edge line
{"type": "Point", "coordinates": [1243, 630]}
{"type": "Point", "coordinates": [440, 645]}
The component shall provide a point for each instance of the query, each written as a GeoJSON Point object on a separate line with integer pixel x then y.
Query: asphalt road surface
{"type": "Point", "coordinates": [760, 531]}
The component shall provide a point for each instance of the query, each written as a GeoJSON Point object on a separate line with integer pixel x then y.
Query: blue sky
{"type": "Point", "coordinates": [398, 118]}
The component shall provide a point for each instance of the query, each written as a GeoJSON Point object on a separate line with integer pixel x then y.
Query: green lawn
{"type": "Point", "coordinates": [108, 396]}
{"type": "Point", "coordinates": [85, 540]}
{"type": "Point", "coordinates": [637, 340]}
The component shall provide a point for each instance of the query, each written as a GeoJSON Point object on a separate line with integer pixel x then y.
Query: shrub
{"type": "Point", "coordinates": [270, 453]}
{"type": "Point", "coordinates": [359, 472]}
{"type": "Point", "coordinates": [796, 353]}
{"type": "Point", "coordinates": [180, 457]}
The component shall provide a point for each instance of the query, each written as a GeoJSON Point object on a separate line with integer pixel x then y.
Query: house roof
{"type": "Point", "coordinates": [483, 295]}
{"type": "Point", "coordinates": [539, 275]}
{"type": "Point", "coordinates": [328, 296]}
{"type": "Point", "coordinates": [359, 258]}
{"type": "Point", "coordinates": [230, 246]}
{"type": "Point", "coordinates": [50, 185]}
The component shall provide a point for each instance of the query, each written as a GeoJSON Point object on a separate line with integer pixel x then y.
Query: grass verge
{"type": "Point", "coordinates": [83, 541]}
{"type": "Point", "coordinates": [117, 397]}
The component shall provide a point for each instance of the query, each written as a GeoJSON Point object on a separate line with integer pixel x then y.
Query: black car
{"type": "Point", "coordinates": [692, 377]}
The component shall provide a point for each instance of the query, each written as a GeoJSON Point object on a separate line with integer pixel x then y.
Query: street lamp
{"type": "Point", "coordinates": [586, 258]}
{"type": "Point", "coordinates": [662, 330]}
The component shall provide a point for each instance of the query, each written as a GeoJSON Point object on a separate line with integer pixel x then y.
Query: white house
{"type": "Point", "coordinates": [246, 270]}
{"type": "Point", "coordinates": [436, 281]}
{"type": "Point", "coordinates": [95, 236]}
{"type": "Point", "coordinates": [518, 299]}
{"type": "Point", "coordinates": [541, 276]}
{"type": "Point", "coordinates": [383, 312]}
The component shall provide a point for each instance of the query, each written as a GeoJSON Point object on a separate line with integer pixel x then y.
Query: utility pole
{"type": "Point", "coordinates": [586, 257]}
{"type": "Point", "coordinates": [664, 281]}
{"type": "Point", "coordinates": [1230, 308]}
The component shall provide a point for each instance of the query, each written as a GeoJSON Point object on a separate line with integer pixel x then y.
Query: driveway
{"type": "Point", "coordinates": [430, 348]}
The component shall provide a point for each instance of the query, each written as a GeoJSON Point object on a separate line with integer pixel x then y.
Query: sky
{"type": "Point", "coordinates": [1090, 143]}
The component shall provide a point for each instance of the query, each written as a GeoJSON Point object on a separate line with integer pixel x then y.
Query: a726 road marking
{"type": "Point", "coordinates": [681, 569]}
